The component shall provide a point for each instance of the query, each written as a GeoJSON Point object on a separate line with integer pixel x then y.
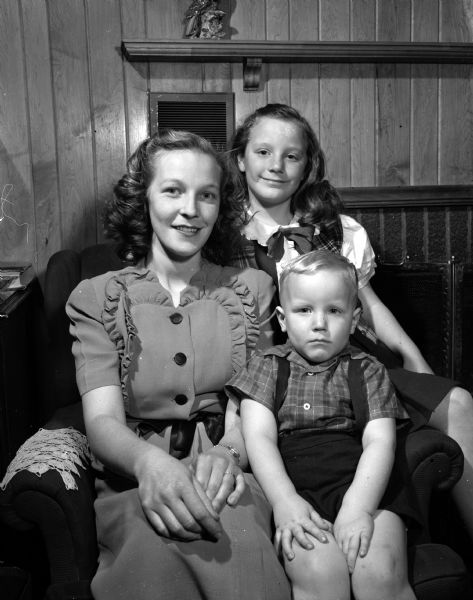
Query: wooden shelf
{"type": "Point", "coordinates": [254, 53]}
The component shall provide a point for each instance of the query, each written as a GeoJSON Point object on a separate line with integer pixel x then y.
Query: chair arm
{"type": "Point", "coordinates": [65, 517]}
{"type": "Point", "coordinates": [435, 464]}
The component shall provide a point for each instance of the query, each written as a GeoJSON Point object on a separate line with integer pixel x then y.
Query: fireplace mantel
{"type": "Point", "coordinates": [254, 53]}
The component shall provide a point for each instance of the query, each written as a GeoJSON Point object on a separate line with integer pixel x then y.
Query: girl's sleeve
{"type": "Point", "coordinates": [96, 357]}
{"type": "Point", "coordinates": [265, 293]}
{"type": "Point", "coordinates": [357, 248]}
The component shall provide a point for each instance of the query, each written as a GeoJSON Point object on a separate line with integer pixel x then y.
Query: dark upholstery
{"type": "Point", "coordinates": [66, 520]}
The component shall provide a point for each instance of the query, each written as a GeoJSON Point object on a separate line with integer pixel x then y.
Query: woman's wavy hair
{"type": "Point", "coordinates": [316, 200]}
{"type": "Point", "coordinates": [126, 215]}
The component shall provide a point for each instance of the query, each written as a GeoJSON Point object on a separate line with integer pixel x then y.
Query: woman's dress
{"type": "Point", "coordinates": [172, 363]}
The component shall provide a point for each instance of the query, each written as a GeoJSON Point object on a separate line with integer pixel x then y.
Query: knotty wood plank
{"type": "Point", "coordinates": [217, 76]}
{"type": "Point", "coordinates": [135, 76]}
{"type": "Point", "coordinates": [164, 20]}
{"type": "Point", "coordinates": [17, 226]}
{"type": "Point", "coordinates": [362, 109]}
{"type": "Point", "coordinates": [42, 127]}
{"type": "Point", "coordinates": [363, 115]}
{"type": "Point", "coordinates": [107, 99]}
{"type": "Point", "coordinates": [73, 122]}
{"type": "Point", "coordinates": [394, 24]}
{"type": "Point", "coordinates": [424, 125]}
{"type": "Point", "coordinates": [277, 28]}
{"type": "Point", "coordinates": [456, 124]}
{"type": "Point", "coordinates": [304, 82]}
{"type": "Point", "coordinates": [335, 94]}
{"type": "Point", "coordinates": [424, 150]}
{"type": "Point", "coordinates": [248, 23]}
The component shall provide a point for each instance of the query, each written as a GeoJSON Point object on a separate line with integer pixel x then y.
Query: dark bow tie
{"type": "Point", "coordinates": [301, 235]}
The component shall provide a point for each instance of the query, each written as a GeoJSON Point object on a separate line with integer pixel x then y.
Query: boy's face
{"type": "Point", "coordinates": [318, 314]}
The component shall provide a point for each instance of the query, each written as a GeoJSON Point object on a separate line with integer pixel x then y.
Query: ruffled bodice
{"type": "Point", "coordinates": [172, 361]}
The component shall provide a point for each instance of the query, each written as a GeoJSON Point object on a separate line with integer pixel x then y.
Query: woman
{"type": "Point", "coordinates": [154, 345]}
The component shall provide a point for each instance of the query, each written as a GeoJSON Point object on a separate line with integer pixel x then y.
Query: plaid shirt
{"type": "Point", "coordinates": [318, 395]}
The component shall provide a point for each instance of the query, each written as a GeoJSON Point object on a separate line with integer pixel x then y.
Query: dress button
{"type": "Point", "coordinates": [306, 406]}
{"type": "Point", "coordinates": [180, 399]}
{"type": "Point", "coordinates": [180, 359]}
{"type": "Point", "coordinates": [176, 318]}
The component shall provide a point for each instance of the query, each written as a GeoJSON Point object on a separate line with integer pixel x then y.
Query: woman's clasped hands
{"type": "Point", "coordinates": [184, 501]}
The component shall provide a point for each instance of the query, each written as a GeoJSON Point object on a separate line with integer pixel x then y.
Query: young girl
{"type": "Point", "coordinates": [279, 170]}
{"type": "Point", "coordinates": [323, 446]}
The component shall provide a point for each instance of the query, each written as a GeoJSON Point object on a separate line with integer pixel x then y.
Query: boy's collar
{"type": "Point", "coordinates": [287, 350]}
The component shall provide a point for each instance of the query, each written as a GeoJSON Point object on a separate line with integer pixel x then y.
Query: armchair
{"type": "Point", "coordinates": [59, 503]}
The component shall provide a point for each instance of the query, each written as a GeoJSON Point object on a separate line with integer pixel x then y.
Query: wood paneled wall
{"type": "Point", "coordinates": [71, 110]}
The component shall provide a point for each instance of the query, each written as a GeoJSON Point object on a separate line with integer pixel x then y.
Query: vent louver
{"type": "Point", "coordinates": [208, 115]}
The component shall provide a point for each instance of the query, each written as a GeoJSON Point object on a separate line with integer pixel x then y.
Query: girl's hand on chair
{"type": "Point", "coordinates": [220, 477]}
{"type": "Point", "coordinates": [294, 519]}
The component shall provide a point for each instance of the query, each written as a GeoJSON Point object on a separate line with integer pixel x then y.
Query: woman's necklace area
{"type": "Point", "coordinates": [177, 277]}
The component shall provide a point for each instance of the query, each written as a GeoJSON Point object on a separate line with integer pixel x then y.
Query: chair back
{"type": "Point", "coordinates": [65, 270]}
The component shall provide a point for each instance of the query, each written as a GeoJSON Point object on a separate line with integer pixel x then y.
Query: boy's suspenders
{"type": "Point", "coordinates": [357, 395]}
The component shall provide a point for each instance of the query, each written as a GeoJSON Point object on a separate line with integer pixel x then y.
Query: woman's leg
{"type": "Point", "coordinates": [382, 573]}
{"type": "Point", "coordinates": [454, 416]}
{"type": "Point", "coordinates": [320, 573]}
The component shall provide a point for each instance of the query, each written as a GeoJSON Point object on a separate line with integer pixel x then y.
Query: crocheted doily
{"type": "Point", "coordinates": [62, 450]}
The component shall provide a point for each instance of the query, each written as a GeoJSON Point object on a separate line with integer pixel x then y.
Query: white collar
{"type": "Point", "coordinates": [261, 226]}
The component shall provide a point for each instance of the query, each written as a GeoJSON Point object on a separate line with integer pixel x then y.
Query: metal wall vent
{"type": "Point", "coordinates": [208, 115]}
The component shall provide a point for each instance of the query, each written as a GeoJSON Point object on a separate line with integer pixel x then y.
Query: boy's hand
{"type": "Point", "coordinates": [353, 531]}
{"type": "Point", "coordinates": [294, 517]}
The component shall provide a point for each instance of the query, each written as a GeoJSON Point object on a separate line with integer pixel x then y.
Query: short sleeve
{"type": "Point", "coordinates": [380, 393]}
{"type": "Point", "coordinates": [255, 381]}
{"type": "Point", "coordinates": [96, 357]}
{"type": "Point", "coordinates": [357, 248]}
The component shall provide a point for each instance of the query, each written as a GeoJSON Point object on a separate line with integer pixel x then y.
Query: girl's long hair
{"type": "Point", "coordinates": [316, 200]}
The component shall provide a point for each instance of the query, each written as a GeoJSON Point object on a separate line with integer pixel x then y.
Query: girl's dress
{"type": "Point", "coordinates": [420, 393]}
{"type": "Point", "coordinates": [172, 363]}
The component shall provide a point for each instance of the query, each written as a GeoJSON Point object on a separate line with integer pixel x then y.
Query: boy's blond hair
{"type": "Point", "coordinates": [320, 260]}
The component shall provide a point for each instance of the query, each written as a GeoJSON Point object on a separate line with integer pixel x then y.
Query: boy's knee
{"type": "Point", "coordinates": [318, 574]}
{"type": "Point", "coordinates": [381, 576]}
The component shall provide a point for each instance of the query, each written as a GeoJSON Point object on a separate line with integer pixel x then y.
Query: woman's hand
{"type": "Point", "coordinates": [173, 500]}
{"type": "Point", "coordinates": [353, 531]}
{"type": "Point", "coordinates": [219, 476]}
{"type": "Point", "coordinates": [294, 518]}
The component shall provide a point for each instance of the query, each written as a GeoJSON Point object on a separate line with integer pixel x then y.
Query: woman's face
{"type": "Point", "coordinates": [273, 162]}
{"type": "Point", "coordinates": [184, 202]}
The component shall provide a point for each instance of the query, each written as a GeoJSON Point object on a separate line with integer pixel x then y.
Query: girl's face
{"type": "Point", "coordinates": [273, 162]}
{"type": "Point", "coordinates": [184, 201]}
